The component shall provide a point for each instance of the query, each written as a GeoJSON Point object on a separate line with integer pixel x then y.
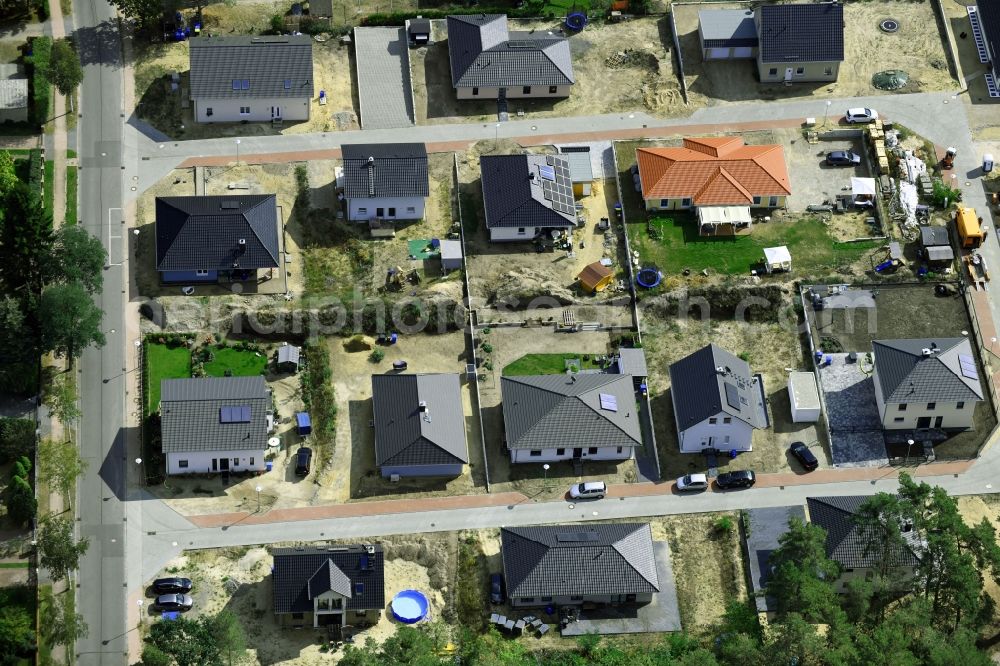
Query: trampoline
{"type": "Point", "coordinates": [409, 606]}
{"type": "Point", "coordinates": [648, 277]}
{"type": "Point", "coordinates": [576, 21]}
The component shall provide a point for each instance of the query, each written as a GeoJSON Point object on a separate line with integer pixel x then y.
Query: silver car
{"type": "Point", "coordinates": [588, 490]}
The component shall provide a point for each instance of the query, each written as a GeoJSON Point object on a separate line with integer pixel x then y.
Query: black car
{"type": "Point", "coordinates": [172, 585]}
{"type": "Point", "coordinates": [742, 479]}
{"type": "Point", "coordinates": [804, 456]}
{"type": "Point", "coordinates": [496, 589]}
{"type": "Point", "coordinates": [174, 602]}
{"type": "Point", "coordinates": [303, 460]}
{"type": "Point", "coordinates": [843, 158]}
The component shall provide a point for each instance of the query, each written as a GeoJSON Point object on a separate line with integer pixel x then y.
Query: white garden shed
{"type": "Point", "coordinates": [803, 395]}
{"type": "Point", "coordinates": [777, 259]}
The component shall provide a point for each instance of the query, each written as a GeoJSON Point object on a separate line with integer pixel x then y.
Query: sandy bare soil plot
{"type": "Point", "coordinates": [353, 474]}
{"type": "Point", "coordinates": [239, 579]}
{"type": "Point", "coordinates": [333, 67]}
{"type": "Point", "coordinates": [917, 49]}
{"type": "Point", "coordinates": [647, 83]}
{"type": "Point", "coordinates": [770, 349]}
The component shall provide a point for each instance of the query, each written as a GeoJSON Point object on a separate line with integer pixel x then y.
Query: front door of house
{"type": "Point", "coordinates": [924, 422]}
{"type": "Point", "coordinates": [215, 464]}
{"type": "Point", "coordinates": [380, 212]}
{"type": "Point", "coordinates": [224, 464]}
{"type": "Point", "coordinates": [275, 113]}
{"type": "Point", "coordinates": [578, 453]}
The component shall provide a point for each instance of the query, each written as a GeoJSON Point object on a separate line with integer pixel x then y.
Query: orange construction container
{"type": "Point", "coordinates": [970, 228]}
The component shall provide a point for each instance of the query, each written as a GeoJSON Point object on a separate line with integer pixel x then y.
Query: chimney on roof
{"type": "Point", "coordinates": [926, 352]}
{"type": "Point", "coordinates": [422, 406]}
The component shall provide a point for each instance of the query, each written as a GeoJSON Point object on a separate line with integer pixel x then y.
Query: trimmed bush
{"type": "Point", "coordinates": [41, 88]}
{"type": "Point", "coordinates": [17, 438]}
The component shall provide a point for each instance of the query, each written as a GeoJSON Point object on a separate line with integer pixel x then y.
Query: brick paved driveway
{"type": "Point", "coordinates": [383, 78]}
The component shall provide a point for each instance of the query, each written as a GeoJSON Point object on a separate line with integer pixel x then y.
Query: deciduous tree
{"type": "Point", "coordinates": [69, 320]}
{"type": "Point", "coordinates": [77, 257]}
{"type": "Point", "coordinates": [58, 549]}
{"type": "Point", "coordinates": [59, 465]}
{"type": "Point", "coordinates": [229, 637]}
{"type": "Point", "coordinates": [61, 397]}
{"type": "Point", "coordinates": [65, 72]}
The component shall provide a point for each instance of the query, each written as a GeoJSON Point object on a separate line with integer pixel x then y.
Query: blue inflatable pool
{"type": "Point", "coordinates": [410, 606]}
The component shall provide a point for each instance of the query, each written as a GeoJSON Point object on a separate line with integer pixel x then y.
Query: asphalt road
{"type": "Point", "coordinates": [102, 490]}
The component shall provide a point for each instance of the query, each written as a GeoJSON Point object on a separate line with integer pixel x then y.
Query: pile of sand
{"type": "Point", "coordinates": [516, 289]}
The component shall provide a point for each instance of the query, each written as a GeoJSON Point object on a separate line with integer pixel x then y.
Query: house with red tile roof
{"type": "Point", "coordinates": [720, 178]}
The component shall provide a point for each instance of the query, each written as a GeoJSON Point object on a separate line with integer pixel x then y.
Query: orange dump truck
{"type": "Point", "coordinates": [970, 227]}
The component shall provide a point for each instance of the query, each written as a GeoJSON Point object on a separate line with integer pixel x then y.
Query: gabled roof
{"type": "Point", "coordinates": [592, 274]}
{"type": "Point", "coordinates": [577, 560]}
{"type": "Point", "coordinates": [801, 33]}
{"type": "Point", "coordinates": [194, 414]}
{"type": "Point", "coordinates": [948, 373]}
{"type": "Point", "coordinates": [13, 93]}
{"type": "Point", "coordinates": [405, 435]}
{"type": "Point", "coordinates": [385, 170]}
{"type": "Point", "coordinates": [720, 28]}
{"type": "Point", "coordinates": [845, 541]}
{"type": "Point", "coordinates": [712, 381]}
{"type": "Point", "coordinates": [484, 54]}
{"type": "Point", "coordinates": [546, 411]}
{"type": "Point", "coordinates": [195, 233]}
{"type": "Point", "coordinates": [713, 171]}
{"type": "Point", "coordinates": [300, 574]}
{"type": "Point", "coordinates": [516, 195]}
{"type": "Point", "coordinates": [289, 354]}
{"type": "Point", "coordinates": [248, 67]}
{"type": "Point", "coordinates": [931, 236]}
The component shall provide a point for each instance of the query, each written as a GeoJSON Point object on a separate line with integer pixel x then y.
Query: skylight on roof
{"type": "Point", "coordinates": [548, 173]}
{"type": "Point", "coordinates": [288, 84]}
{"type": "Point", "coordinates": [968, 366]}
{"type": "Point", "coordinates": [609, 402]}
{"type": "Point", "coordinates": [245, 84]}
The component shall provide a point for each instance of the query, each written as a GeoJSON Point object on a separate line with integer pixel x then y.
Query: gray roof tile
{"type": "Point", "coordinates": [514, 196]}
{"type": "Point", "coordinates": [190, 414]}
{"type": "Point", "coordinates": [385, 170]}
{"type": "Point", "coordinates": [406, 436]}
{"type": "Point", "coordinates": [545, 411]}
{"type": "Point", "coordinates": [279, 66]}
{"type": "Point", "coordinates": [906, 375]}
{"type": "Point", "coordinates": [801, 32]}
{"type": "Point", "coordinates": [484, 54]}
{"type": "Point", "coordinates": [846, 543]}
{"type": "Point", "coordinates": [989, 18]}
{"type": "Point", "coordinates": [698, 389]}
{"type": "Point", "coordinates": [204, 232]}
{"type": "Point", "coordinates": [932, 235]}
{"type": "Point", "coordinates": [294, 568]}
{"type": "Point", "coordinates": [557, 560]}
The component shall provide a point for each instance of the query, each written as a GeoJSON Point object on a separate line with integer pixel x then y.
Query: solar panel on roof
{"type": "Point", "coordinates": [609, 402]}
{"type": "Point", "coordinates": [237, 414]}
{"type": "Point", "coordinates": [576, 537]}
{"type": "Point", "coordinates": [968, 366]}
{"type": "Point", "coordinates": [229, 205]}
{"type": "Point", "coordinates": [520, 44]}
{"type": "Point", "coordinates": [732, 395]}
{"type": "Point", "coordinates": [548, 159]}
{"type": "Point", "coordinates": [548, 173]}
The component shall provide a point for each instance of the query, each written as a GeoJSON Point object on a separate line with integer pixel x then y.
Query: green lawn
{"type": "Point", "coordinates": [812, 248]}
{"type": "Point", "coordinates": [163, 362]}
{"type": "Point", "coordinates": [546, 364]}
{"type": "Point", "coordinates": [14, 565]}
{"type": "Point", "coordinates": [241, 363]}
{"type": "Point", "coordinates": [564, 7]}
{"type": "Point", "coordinates": [71, 179]}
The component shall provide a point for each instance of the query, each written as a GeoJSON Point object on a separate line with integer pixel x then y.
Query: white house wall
{"type": "Point", "coordinates": [554, 455]}
{"type": "Point", "coordinates": [513, 92]}
{"type": "Point", "coordinates": [502, 234]}
{"type": "Point", "coordinates": [775, 72]}
{"type": "Point", "coordinates": [706, 435]}
{"type": "Point", "coordinates": [362, 210]}
{"type": "Point", "coordinates": [200, 462]}
{"type": "Point", "coordinates": [228, 110]}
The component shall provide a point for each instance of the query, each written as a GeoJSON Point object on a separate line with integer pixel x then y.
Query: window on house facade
{"type": "Point", "coordinates": [960, 405]}
{"type": "Point", "coordinates": [931, 405]}
{"type": "Point", "coordinates": [553, 90]}
{"type": "Point", "coordinates": [251, 461]}
{"type": "Point", "coordinates": [902, 407]}
{"type": "Point", "coordinates": [535, 453]}
{"type": "Point", "coordinates": [526, 90]}
{"type": "Point", "coordinates": [619, 449]}
{"type": "Point", "coordinates": [182, 464]}
{"type": "Point", "coordinates": [713, 421]}
{"type": "Point", "coordinates": [362, 211]}
{"type": "Point", "coordinates": [546, 598]}
{"type": "Point", "coordinates": [411, 210]}
{"type": "Point", "coordinates": [898, 419]}
{"type": "Point", "coordinates": [773, 202]}
{"type": "Point", "coordinates": [756, 201]}
{"type": "Point", "coordinates": [475, 91]}
{"type": "Point", "coordinates": [685, 202]}
{"type": "Point", "coordinates": [201, 272]}
{"type": "Point", "coordinates": [727, 419]}
{"type": "Point", "coordinates": [664, 203]}
{"type": "Point", "coordinates": [244, 110]}
{"type": "Point", "coordinates": [773, 71]}
{"type": "Point", "coordinates": [592, 450]}
{"type": "Point", "coordinates": [208, 111]}
{"type": "Point", "coordinates": [392, 212]}
{"type": "Point", "coordinates": [560, 452]}
{"type": "Point", "coordinates": [520, 230]}
{"type": "Point", "coordinates": [799, 71]}
{"type": "Point", "coordinates": [828, 71]}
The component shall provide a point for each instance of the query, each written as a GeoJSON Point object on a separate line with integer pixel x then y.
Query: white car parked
{"type": "Point", "coordinates": [692, 482]}
{"type": "Point", "coordinates": [861, 115]}
{"type": "Point", "coordinates": [588, 490]}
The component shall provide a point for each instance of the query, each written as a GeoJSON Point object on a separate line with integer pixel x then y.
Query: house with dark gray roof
{"type": "Point", "coordinates": [926, 383]}
{"type": "Point", "coordinates": [385, 182]}
{"type": "Point", "coordinates": [240, 78]}
{"type": "Point", "coordinates": [214, 424]}
{"type": "Point", "coordinates": [985, 19]}
{"type": "Point", "coordinates": [212, 238]}
{"type": "Point", "coordinates": [718, 402]}
{"type": "Point", "coordinates": [800, 43]}
{"type": "Point", "coordinates": [419, 425]}
{"type": "Point", "coordinates": [319, 586]}
{"type": "Point", "coordinates": [591, 416]}
{"type": "Point", "coordinates": [525, 196]}
{"type": "Point", "coordinates": [727, 34]}
{"type": "Point", "coordinates": [847, 541]}
{"type": "Point", "coordinates": [490, 62]}
{"type": "Point", "coordinates": [572, 565]}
